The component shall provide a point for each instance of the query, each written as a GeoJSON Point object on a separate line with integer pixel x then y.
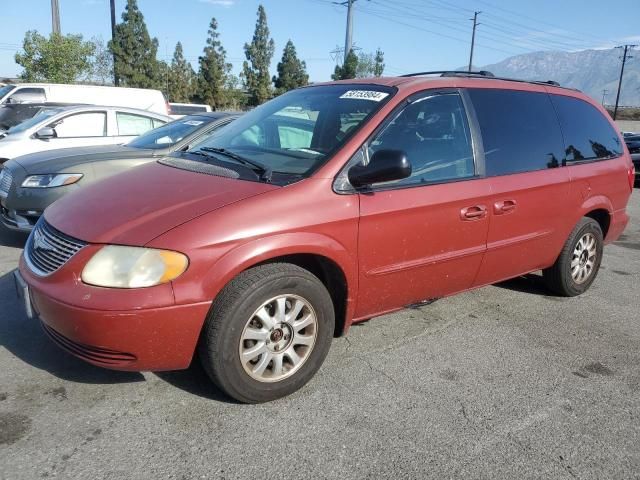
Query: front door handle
{"type": "Point", "coordinates": [506, 206]}
{"type": "Point", "coordinates": [473, 213]}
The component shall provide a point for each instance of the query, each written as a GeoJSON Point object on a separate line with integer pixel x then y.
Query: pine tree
{"type": "Point", "coordinates": [349, 69]}
{"type": "Point", "coordinates": [181, 75]}
{"type": "Point", "coordinates": [255, 69]}
{"type": "Point", "coordinates": [292, 73]}
{"type": "Point", "coordinates": [214, 70]}
{"type": "Point", "coordinates": [135, 51]}
{"type": "Point", "coordinates": [378, 68]}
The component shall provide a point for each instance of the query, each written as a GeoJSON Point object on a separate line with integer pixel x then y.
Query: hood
{"type": "Point", "coordinates": [51, 161]}
{"type": "Point", "coordinates": [134, 207]}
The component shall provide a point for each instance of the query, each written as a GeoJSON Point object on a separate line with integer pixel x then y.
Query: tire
{"type": "Point", "coordinates": [569, 281]}
{"type": "Point", "coordinates": [252, 304]}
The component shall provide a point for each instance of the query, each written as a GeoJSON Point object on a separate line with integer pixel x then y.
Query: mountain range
{"type": "Point", "coordinates": [591, 71]}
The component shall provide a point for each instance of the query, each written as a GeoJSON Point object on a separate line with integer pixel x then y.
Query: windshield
{"type": "Point", "coordinates": [5, 90]}
{"type": "Point", "coordinates": [170, 134]}
{"type": "Point", "coordinates": [27, 124]}
{"type": "Point", "coordinates": [296, 133]}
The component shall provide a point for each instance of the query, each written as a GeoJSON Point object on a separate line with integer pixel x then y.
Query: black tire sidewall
{"type": "Point", "coordinates": [587, 225]}
{"type": "Point", "coordinates": [232, 318]}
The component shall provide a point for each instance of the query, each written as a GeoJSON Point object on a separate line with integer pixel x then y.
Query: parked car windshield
{"type": "Point", "coordinates": [186, 109]}
{"type": "Point", "coordinates": [169, 134]}
{"type": "Point", "coordinates": [298, 131]}
{"type": "Point", "coordinates": [6, 89]}
{"type": "Point", "coordinates": [39, 117]}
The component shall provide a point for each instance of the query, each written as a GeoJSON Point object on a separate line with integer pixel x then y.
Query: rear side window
{"type": "Point", "coordinates": [187, 109]}
{"type": "Point", "coordinates": [520, 131]}
{"type": "Point", "coordinates": [587, 133]}
{"type": "Point", "coordinates": [133, 125]}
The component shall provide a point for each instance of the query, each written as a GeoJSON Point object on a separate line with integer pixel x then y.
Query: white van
{"type": "Point", "coordinates": [144, 99]}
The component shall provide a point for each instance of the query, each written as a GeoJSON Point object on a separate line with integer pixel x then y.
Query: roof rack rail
{"type": "Point", "coordinates": [451, 73]}
{"type": "Point", "coordinates": [485, 74]}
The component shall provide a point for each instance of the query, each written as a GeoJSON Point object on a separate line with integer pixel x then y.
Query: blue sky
{"type": "Point", "coordinates": [414, 34]}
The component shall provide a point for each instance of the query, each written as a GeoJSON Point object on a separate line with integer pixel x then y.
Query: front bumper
{"type": "Point", "coordinates": [135, 339]}
{"type": "Point", "coordinates": [22, 221]}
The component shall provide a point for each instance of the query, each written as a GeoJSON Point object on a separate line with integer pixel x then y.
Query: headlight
{"type": "Point", "coordinates": [51, 180]}
{"type": "Point", "coordinates": [133, 267]}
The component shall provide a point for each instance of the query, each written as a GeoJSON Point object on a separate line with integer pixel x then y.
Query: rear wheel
{"type": "Point", "coordinates": [578, 264]}
{"type": "Point", "coordinates": [267, 333]}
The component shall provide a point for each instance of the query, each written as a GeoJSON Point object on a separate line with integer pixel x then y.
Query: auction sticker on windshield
{"type": "Point", "coordinates": [365, 95]}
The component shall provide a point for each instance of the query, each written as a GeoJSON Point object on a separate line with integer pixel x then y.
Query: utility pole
{"type": "Point", "coordinates": [473, 37]}
{"type": "Point", "coordinates": [625, 57]}
{"type": "Point", "coordinates": [116, 80]}
{"type": "Point", "coordinates": [55, 17]}
{"type": "Point", "coordinates": [348, 40]}
{"type": "Point", "coordinates": [604, 95]}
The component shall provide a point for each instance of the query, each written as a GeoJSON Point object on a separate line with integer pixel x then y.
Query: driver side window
{"type": "Point", "coordinates": [91, 124]}
{"type": "Point", "coordinates": [434, 134]}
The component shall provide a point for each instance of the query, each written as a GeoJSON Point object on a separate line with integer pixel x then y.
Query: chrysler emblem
{"type": "Point", "coordinates": [40, 242]}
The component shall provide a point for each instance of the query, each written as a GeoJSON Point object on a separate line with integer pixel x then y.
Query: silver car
{"type": "Point", "coordinates": [77, 126]}
{"type": "Point", "coordinates": [30, 183]}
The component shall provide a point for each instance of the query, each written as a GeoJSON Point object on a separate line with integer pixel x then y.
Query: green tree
{"type": "Point", "coordinates": [236, 99]}
{"type": "Point", "coordinates": [181, 77]}
{"type": "Point", "coordinates": [255, 69]}
{"type": "Point", "coordinates": [101, 63]}
{"type": "Point", "coordinates": [348, 70]}
{"type": "Point", "coordinates": [378, 68]}
{"type": "Point", "coordinates": [292, 73]}
{"type": "Point", "coordinates": [213, 71]}
{"type": "Point", "coordinates": [366, 64]}
{"type": "Point", "coordinates": [58, 59]}
{"type": "Point", "coordinates": [370, 65]}
{"type": "Point", "coordinates": [135, 51]}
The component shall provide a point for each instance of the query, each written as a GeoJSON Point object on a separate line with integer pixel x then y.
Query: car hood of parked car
{"type": "Point", "coordinates": [53, 161]}
{"type": "Point", "coordinates": [136, 206]}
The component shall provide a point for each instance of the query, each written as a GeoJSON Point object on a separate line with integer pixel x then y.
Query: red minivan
{"type": "Point", "coordinates": [326, 206]}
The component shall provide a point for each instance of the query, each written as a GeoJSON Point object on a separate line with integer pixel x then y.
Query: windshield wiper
{"type": "Point", "coordinates": [265, 172]}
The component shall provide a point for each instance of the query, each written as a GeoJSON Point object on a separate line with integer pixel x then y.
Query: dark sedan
{"type": "Point", "coordinates": [633, 144]}
{"type": "Point", "coordinates": [30, 183]}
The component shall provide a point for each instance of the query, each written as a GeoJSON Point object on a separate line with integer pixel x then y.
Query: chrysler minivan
{"type": "Point", "coordinates": [326, 206]}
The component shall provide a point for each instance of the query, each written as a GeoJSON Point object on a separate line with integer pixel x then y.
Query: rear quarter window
{"type": "Point", "coordinates": [588, 135]}
{"type": "Point", "coordinates": [520, 130]}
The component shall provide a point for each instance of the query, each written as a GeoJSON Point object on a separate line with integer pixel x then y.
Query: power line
{"type": "Point", "coordinates": [403, 10]}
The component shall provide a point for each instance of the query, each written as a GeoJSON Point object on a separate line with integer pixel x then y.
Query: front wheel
{"type": "Point", "coordinates": [577, 266]}
{"type": "Point", "coordinates": [268, 332]}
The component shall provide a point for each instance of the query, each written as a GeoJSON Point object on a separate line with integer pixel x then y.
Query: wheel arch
{"type": "Point", "coordinates": [323, 256]}
{"type": "Point", "coordinates": [600, 209]}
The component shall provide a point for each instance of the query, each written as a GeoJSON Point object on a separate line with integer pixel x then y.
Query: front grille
{"type": "Point", "coordinates": [48, 249]}
{"type": "Point", "coordinates": [6, 179]}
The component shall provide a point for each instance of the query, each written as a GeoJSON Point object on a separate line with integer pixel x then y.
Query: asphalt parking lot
{"type": "Point", "coordinates": [504, 382]}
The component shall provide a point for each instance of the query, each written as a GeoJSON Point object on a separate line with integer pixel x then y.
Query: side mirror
{"type": "Point", "coordinates": [384, 166]}
{"type": "Point", "coordinates": [46, 133]}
